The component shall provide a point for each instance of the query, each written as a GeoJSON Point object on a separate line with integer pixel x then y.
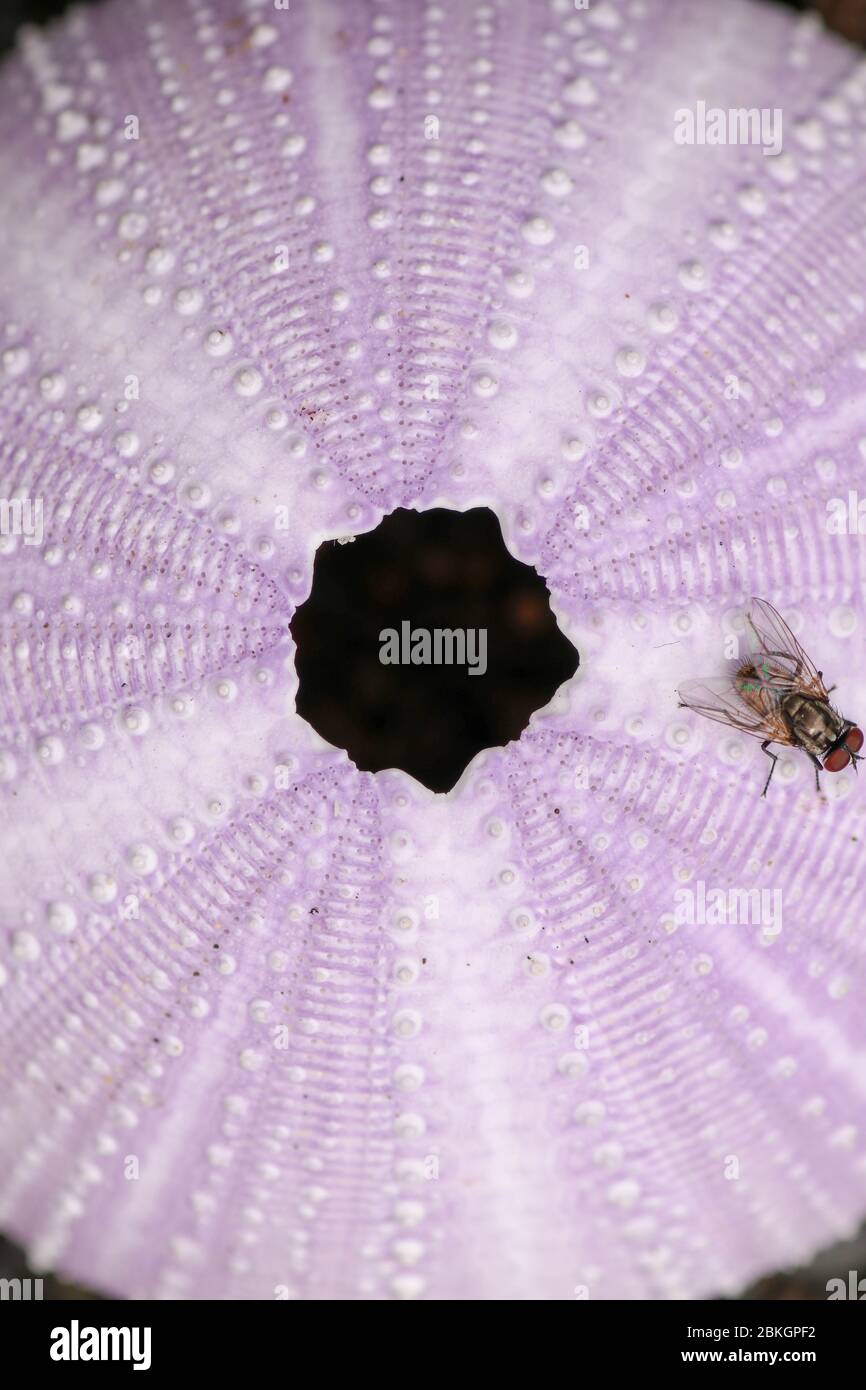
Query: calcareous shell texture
{"type": "Point", "coordinates": [272, 1027]}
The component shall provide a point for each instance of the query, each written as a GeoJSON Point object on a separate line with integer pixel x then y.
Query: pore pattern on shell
{"type": "Point", "coordinates": [275, 1027]}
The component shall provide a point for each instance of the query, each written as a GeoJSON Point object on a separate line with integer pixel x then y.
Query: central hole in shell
{"type": "Point", "coordinates": [423, 642]}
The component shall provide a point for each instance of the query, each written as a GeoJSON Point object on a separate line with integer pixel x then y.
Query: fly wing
{"type": "Point", "coordinates": [783, 664]}
{"type": "Point", "coordinates": [717, 698]}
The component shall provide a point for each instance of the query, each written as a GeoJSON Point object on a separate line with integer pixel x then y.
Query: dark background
{"type": "Point", "coordinates": [504, 602]}
{"type": "Point", "coordinates": [847, 17]}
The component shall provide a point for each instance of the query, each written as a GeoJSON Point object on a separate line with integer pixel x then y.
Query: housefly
{"type": "Point", "coordinates": [778, 696]}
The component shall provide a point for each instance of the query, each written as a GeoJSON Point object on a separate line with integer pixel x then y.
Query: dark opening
{"type": "Point", "coordinates": [434, 570]}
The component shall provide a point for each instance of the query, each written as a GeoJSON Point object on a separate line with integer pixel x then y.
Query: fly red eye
{"type": "Point", "coordinates": [854, 740]}
{"type": "Point", "coordinates": [835, 761]}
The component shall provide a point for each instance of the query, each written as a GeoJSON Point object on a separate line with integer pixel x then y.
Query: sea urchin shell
{"type": "Point", "coordinates": [270, 1024]}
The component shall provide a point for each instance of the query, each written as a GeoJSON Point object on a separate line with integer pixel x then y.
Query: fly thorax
{"type": "Point", "coordinates": [813, 720]}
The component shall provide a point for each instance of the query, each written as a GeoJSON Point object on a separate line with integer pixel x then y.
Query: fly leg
{"type": "Point", "coordinates": [818, 769]}
{"type": "Point", "coordinates": [765, 747]}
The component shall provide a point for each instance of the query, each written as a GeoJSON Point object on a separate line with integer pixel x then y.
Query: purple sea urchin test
{"type": "Point", "coordinates": [272, 1026]}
